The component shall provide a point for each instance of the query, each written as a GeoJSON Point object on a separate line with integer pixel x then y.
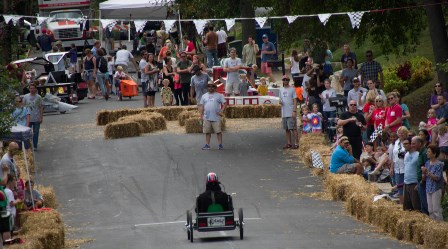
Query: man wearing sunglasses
{"type": "Point", "coordinates": [342, 159]}
{"type": "Point", "coordinates": [353, 123]}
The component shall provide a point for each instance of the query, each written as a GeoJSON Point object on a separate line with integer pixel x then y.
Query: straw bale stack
{"type": "Point", "coordinates": [49, 196]}
{"type": "Point", "coordinates": [271, 111]}
{"type": "Point", "coordinates": [43, 229]}
{"type": "Point", "coordinates": [121, 129]}
{"type": "Point", "coordinates": [171, 113]}
{"type": "Point", "coordinates": [20, 163]}
{"type": "Point", "coordinates": [194, 125]}
{"type": "Point", "coordinates": [158, 119]}
{"type": "Point", "coordinates": [407, 223]}
{"type": "Point", "coordinates": [253, 111]}
{"type": "Point", "coordinates": [435, 235]}
{"type": "Point", "coordinates": [146, 123]}
{"type": "Point", "coordinates": [183, 116]}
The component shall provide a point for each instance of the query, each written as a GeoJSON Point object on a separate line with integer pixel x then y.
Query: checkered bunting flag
{"type": "Point", "coordinates": [376, 133]}
{"type": "Point", "coordinates": [355, 18]}
{"type": "Point", "coordinates": [316, 160]}
{"type": "Point", "coordinates": [261, 21]}
{"type": "Point", "coordinates": [108, 23]}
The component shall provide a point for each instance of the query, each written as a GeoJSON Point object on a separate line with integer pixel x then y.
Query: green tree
{"type": "Point", "coordinates": [8, 86]}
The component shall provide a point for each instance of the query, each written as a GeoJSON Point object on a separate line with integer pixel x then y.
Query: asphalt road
{"type": "Point", "coordinates": [134, 192]}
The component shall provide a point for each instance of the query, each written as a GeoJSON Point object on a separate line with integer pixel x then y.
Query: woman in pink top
{"type": "Point", "coordinates": [379, 114]}
{"type": "Point", "coordinates": [393, 113]}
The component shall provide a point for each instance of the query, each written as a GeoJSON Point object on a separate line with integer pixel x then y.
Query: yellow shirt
{"type": "Point", "coordinates": [262, 90]}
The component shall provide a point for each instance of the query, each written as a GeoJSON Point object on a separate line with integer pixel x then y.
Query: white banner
{"type": "Point", "coordinates": [261, 21]}
{"type": "Point", "coordinates": [291, 19]}
{"type": "Point", "coordinates": [324, 18]}
{"type": "Point", "coordinates": [229, 23]}
{"type": "Point", "coordinates": [200, 24]}
{"type": "Point", "coordinates": [139, 25]}
{"type": "Point", "coordinates": [14, 19]}
{"type": "Point", "coordinates": [355, 18]}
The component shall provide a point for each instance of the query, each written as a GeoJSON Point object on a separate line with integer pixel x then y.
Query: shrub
{"type": "Point", "coordinates": [410, 76]}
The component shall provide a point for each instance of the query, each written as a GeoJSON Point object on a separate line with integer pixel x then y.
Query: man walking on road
{"type": "Point", "coordinates": [250, 51]}
{"type": "Point", "coordinates": [33, 101]}
{"type": "Point", "coordinates": [267, 53]}
{"type": "Point", "coordinates": [288, 101]}
{"type": "Point", "coordinates": [122, 59]}
{"type": "Point", "coordinates": [212, 108]}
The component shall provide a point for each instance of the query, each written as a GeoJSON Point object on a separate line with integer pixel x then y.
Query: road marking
{"type": "Point", "coordinates": [175, 222]}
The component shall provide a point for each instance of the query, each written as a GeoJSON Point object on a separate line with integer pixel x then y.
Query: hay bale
{"type": "Point", "coordinates": [185, 115]}
{"type": "Point", "coordinates": [435, 234]}
{"type": "Point", "coordinates": [357, 205]}
{"type": "Point", "coordinates": [159, 121]}
{"type": "Point", "coordinates": [102, 117]}
{"type": "Point", "coordinates": [19, 159]}
{"type": "Point", "coordinates": [172, 112]}
{"type": "Point", "coordinates": [121, 129]}
{"type": "Point", "coordinates": [193, 125]}
{"type": "Point", "coordinates": [44, 227]}
{"type": "Point", "coordinates": [48, 195]}
{"type": "Point", "coordinates": [271, 111]}
{"type": "Point", "coordinates": [407, 223]}
{"type": "Point", "coordinates": [145, 122]}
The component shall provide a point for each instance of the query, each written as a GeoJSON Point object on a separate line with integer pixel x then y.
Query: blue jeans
{"type": "Point", "coordinates": [35, 126]}
{"type": "Point", "coordinates": [101, 79]}
{"type": "Point", "coordinates": [422, 195]}
{"type": "Point", "coordinates": [212, 57]}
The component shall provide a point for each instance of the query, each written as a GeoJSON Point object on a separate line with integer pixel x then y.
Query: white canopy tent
{"type": "Point", "coordinates": [135, 9]}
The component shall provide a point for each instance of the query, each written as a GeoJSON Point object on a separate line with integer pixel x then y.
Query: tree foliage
{"type": "Point", "coordinates": [395, 32]}
{"type": "Point", "coordinates": [8, 87]}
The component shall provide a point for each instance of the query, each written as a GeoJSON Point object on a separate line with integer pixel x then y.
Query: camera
{"type": "Point", "coordinates": [401, 154]}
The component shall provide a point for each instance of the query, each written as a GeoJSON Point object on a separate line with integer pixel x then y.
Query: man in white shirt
{"type": "Point", "coordinates": [232, 66]}
{"type": "Point", "coordinates": [122, 59]}
{"type": "Point", "coordinates": [356, 94]}
{"type": "Point", "coordinates": [222, 43]}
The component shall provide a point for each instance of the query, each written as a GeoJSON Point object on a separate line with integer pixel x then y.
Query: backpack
{"type": "Point", "coordinates": [102, 65]}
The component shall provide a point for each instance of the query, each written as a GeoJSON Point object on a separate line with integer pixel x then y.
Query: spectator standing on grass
{"type": "Point", "coordinates": [406, 115]}
{"type": "Point", "coordinates": [342, 159]}
{"type": "Point", "coordinates": [353, 122]}
{"type": "Point", "coordinates": [356, 94]}
{"type": "Point", "coordinates": [34, 102]}
{"type": "Point", "coordinates": [348, 55]}
{"type": "Point", "coordinates": [347, 76]}
{"type": "Point", "coordinates": [432, 173]}
{"type": "Point", "coordinates": [288, 101]}
{"type": "Point", "coordinates": [411, 199]}
{"type": "Point", "coordinates": [267, 53]}
{"type": "Point", "coordinates": [371, 86]}
{"type": "Point", "coordinates": [438, 90]}
{"type": "Point", "coordinates": [183, 69]}
{"type": "Point", "coordinates": [250, 51]}
{"type": "Point", "coordinates": [393, 113]}
{"type": "Point", "coordinates": [422, 158]}
{"type": "Point", "coordinates": [397, 166]}
{"type": "Point", "coordinates": [211, 108]}
{"type": "Point", "coordinates": [370, 70]}
{"type": "Point", "coordinates": [232, 66]}
{"type": "Point", "coordinates": [199, 83]}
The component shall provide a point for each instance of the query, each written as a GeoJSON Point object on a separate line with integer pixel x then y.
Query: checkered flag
{"type": "Point", "coordinates": [355, 18]}
{"type": "Point", "coordinates": [376, 133]}
{"type": "Point", "coordinates": [108, 23]}
{"type": "Point", "coordinates": [316, 160]}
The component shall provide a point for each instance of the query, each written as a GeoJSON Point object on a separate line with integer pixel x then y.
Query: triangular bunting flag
{"type": "Point", "coordinates": [12, 18]}
{"type": "Point", "coordinates": [169, 24]}
{"type": "Point", "coordinates": [355, 18]}
{"type": "Point", "coordinates": [261, 21]}
{"type": "Point", "coordinates": [108, 23]}
{"type": "Point", "coordinates": [42, 19]}
{"type": "Point", "coordinates": [324, 18]}
{"type": "Point", "coordinates": [291, 19]}
{"type": "Point", "coordinates": [200, 24]}
{"type": "Point", "coordinates": [139, 25]}
{"type": "Point", "coordinates": [229, 23]}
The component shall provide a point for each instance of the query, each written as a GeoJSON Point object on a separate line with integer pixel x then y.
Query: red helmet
{"type": "Point", "coordinates": [212, 177]}
{"type": "Point", "coordinates": [44, 30]}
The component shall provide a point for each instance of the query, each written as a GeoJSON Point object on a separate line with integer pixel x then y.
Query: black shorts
{"type": "Point", "coordinates": [151, 93]}
{"type": "Point", "coordinates": [222, 50]}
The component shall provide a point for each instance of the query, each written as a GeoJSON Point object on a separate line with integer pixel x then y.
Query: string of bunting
{"type": "Point", "coordinates": [354, 16]}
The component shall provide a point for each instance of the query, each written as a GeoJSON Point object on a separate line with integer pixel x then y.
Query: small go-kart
{"type": "Point", "coordinates": [215, 221]}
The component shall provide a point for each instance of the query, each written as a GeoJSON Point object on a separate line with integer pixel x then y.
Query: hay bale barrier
{"type": "Point", "coordinates": [183, 116]}
{"type": "Point", "coordinates": [194, 125]}
{"type": "Point", "coordinates": [48, 195]}
{"type": "Point", "coordinates": [122, 129]}
{"type": "Point", "coordinates": [358, 196]}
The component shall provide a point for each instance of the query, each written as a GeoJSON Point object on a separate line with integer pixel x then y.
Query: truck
{"type": "Point", "coordinates": [68, 22]}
